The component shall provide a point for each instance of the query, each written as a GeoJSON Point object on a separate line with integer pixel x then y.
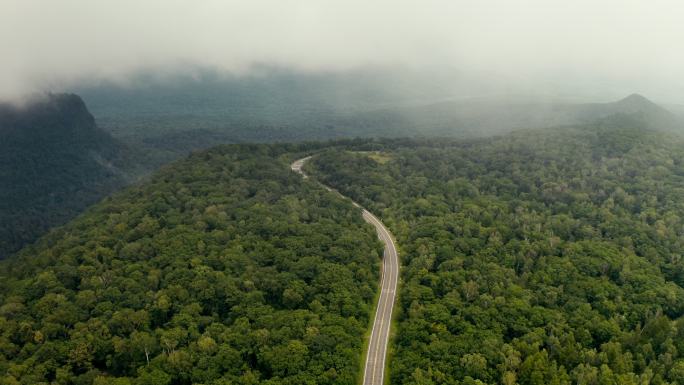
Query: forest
{"type": "Point", "coordinates": [541, 257]}
{"type": "Point", "coordinates": [223, 268]}
{"type": "Point", "coordinates": [545, 256]}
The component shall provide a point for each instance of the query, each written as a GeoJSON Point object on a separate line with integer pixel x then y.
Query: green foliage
{"type": "Point", "coordinates": [541, 257]}
{"type": "Point", "coordinates": [225, 268]}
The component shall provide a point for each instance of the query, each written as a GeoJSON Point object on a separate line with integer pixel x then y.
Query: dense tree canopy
{"type": "Point", "coordinates": [542, 257]}
{"type": "Point", "coordinates": [225, 268]}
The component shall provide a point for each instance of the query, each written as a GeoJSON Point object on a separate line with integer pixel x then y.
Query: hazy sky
{"type": "Point", "coordinates": [620, 44]}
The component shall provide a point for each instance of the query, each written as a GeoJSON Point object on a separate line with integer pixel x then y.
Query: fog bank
{"type": "Point", "coordinates": [613, 46]}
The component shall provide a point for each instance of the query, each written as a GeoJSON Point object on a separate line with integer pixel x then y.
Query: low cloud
{"type": "Point", "coordinates": [556, 45]}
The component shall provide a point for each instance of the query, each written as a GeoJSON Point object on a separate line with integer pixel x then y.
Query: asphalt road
{"type": "Point", "coordinates": [374, 368]}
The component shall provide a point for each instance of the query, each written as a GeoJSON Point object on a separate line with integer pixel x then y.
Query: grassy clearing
{"type": "Point", "coordinates": [378, 156]}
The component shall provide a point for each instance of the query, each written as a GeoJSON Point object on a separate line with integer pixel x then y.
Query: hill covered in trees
{"type": "Point", "coordinates": [540, 257]}
{"type": "Point", "coordinates": [224, 268]}
{"type": "Point", "coordinates": [54, 162]}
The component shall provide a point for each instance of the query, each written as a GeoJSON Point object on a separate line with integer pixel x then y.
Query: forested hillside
{"type": "Point", "coordinates": [541, 257]}
{"type": "Point", "coordinates": [225, 268]}
{"type": "Point", "coordinates": [54, 162]}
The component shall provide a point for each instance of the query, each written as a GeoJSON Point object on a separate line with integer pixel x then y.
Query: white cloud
{"type": "Point", "coordinates": [53, 42]}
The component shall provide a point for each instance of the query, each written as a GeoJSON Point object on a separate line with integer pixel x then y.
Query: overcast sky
{"type": "Point", "coordinates": [623, 44]}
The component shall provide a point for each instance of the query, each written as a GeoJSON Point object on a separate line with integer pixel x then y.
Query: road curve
{"type": "Point", "coordinates": [374, 369]}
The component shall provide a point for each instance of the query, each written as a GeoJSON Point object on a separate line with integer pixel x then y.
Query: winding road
{"type": "Point", "coordinates": [374, 369]}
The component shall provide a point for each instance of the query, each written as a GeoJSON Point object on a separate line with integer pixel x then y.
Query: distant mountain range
{"type": "Point", "coordinates": [485, 117]}
{"type": "Point", "coordinates": [179, 113]}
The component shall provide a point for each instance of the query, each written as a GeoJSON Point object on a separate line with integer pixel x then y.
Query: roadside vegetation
{"type": "Point", "coordinates": [541, 257]}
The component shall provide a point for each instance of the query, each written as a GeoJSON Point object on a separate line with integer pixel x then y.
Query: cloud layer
{"type": "Point", "coordinates": [622, 43]}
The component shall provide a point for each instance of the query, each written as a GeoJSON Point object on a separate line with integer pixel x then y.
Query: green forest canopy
{"type": "Point", "coordinates": [225, 268]}
{"type": "Point", "coordinates": [542, 257]}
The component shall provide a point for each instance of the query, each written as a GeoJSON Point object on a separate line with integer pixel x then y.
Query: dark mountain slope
{"type": "Point", "coordinates": [54, 162]}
